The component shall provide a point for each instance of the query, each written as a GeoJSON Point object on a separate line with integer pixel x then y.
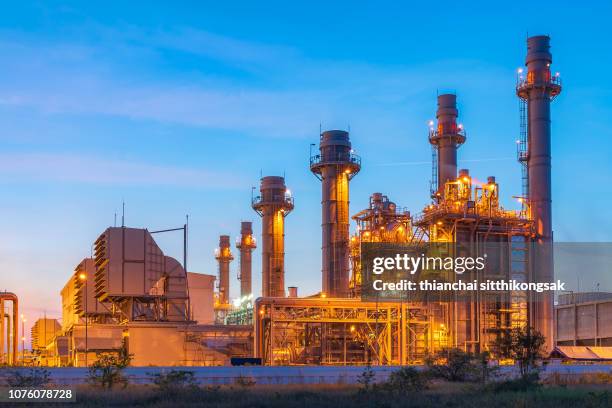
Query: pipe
{"type": "Point", "coordinates": [11, 328]}
{"type": "Point", "coordinates": [273, 205]}
{"type": "Point", "coordinates": [538, 89]}
{"type": "Point", "coordinates": [246, 244]}
{"type": "Point", "coordinates": [224, 257]}
{"type": "Point", "coordinates": [335, 166]}
{"type": "Point", "coordinates": [447, 138]}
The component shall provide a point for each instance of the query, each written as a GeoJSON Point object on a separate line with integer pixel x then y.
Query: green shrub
{"type": "Point", "coordinates": [366, 378]}
{"type": "Point", "coordinates": [406, 380]}
{"type": "Point", "coordinates": [34, 377]}
{"type": "Point", "coordinates": [452, 365]}
{"type": "Point", "coordinates": [174, 381]}
{"type": "Point", "coordinates": [525, 383]}
{"type": "Point", "coordinates": [107, 371]}
{"type": "Point", "coordinates": [244, 381]}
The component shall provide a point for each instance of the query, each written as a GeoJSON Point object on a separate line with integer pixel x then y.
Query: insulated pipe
{"type": "Point", "coordinates": [12, 326]}
{"type": "Point", "coordinates": [245, 245]}
{"type": "Point", "coordinates": [273, 204]}
{"type": "Point", "coordinates": [2, 334]}
{"type": "Point", "coordinates": [448, 136]}
{"type": "Point", "coordinates": [224, 257]}
{"type": "Point", "coordinates": [538, 89]}
{"type": "Point", "coordinates": [335, 166]}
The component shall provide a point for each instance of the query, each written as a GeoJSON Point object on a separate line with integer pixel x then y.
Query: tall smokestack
{"type": "Point", "coordinates": [224, 256]}
{"type": "Point", "coordinates": [446, 138]}
{"type": "Point", "coordinates": [246, 244]}
{"type": "Point", "coordinates": [273, 205]}
{"type": "Point", "coordinates": [538, 88]}
{"type": "Point", "coordinates": [335, 166]}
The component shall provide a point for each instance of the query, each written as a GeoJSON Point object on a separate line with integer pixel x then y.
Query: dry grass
{"type": "Point", "coordinates": [337, 396]}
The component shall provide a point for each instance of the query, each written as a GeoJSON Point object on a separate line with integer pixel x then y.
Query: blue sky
{"type": "Point", "coordinates": [177, 107]}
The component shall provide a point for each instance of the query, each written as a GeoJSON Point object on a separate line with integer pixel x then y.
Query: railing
{"type": "Point", "coordinates": [434, 134]}
{"type": "Point", "coordinates": [339, 157]}
{"type": "Point", "coordinates": [288, 199]}
{"type": "Point", "coordinates": [522, 81]}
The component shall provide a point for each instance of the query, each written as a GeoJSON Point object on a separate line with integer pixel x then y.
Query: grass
{"type": "Point", "coordinates": [440, 394]}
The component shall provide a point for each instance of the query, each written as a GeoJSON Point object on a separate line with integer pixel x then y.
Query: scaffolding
{"type": "Point", "coordinates": [325, 331]}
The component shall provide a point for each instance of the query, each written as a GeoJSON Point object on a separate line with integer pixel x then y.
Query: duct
{"type": "Point", "coordinates": [10, 328]}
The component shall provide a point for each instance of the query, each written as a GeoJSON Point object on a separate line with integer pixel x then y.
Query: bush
{"type": "Point", "coordinates": [525, 383]}
{"type": "Point", "coordinates": [244, 381]}
{"type": "Point", "coordinates": [452, 365]}
{"type": "Point", "coordinates": [406, 380]}
{"type": "Point", "coordinates": [174, 381]}
{"type": "Point", "coordinates": [523, 345]}
{"type": "Point", "coordinates": [366, 378]}
{"type": "Point", "coordinates": [107, 371]}
{"type": "Point", "coordinates": [35, 377]}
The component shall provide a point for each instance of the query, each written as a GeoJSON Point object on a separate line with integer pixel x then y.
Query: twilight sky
{"type": "Point", "coordinates": [176, 108]}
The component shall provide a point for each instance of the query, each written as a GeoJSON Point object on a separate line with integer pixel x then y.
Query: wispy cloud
{"type": "Point", "coordinates": [96, 170]}
{"type": "Point", "coordinates": [290, 95]}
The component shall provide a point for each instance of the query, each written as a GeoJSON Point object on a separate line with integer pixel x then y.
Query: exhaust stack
{"type": "Point", "coordinates": [224, 256]}
{"type": "Point", "coordinates": [335, 166]}
{"type": "Point", "coordinates": [246, 244]}
{"type": "Point", "coordinates": [446, 139]}
{"type": "Point", "coordinates": [273, 204]}
{"type": "Point", "coordinates": [538, 88]}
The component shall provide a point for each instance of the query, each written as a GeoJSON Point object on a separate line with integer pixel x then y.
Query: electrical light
{"type": "Point", "coordinates": [323, 295]}
{"type": "Point", "coordinates": [431, 122]}
{"type": "Point", "coordinates": [82, 276]}
{"type": "Point", "coordinates": [352, 328]}
{"type": "Point", "coordinates": [520, 70]}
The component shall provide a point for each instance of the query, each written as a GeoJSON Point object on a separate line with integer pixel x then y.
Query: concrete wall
{"type": "Point", "coordinates": [584, 324]}
{"type": "Point", "coordinates": [201, 297]}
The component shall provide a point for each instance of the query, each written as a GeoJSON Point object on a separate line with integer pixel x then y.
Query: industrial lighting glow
{"type": "Point", "coordinates": [82, 276]}
{"type": "Point", "coordinates": [520, 70]}
{"type": "Point", "coordinates": [430, 123]}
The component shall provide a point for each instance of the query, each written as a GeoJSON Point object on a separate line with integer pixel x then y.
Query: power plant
{"type": "Point", "coordinates": [131, 294]}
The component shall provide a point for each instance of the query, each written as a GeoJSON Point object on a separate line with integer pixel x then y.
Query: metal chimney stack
{"type": "Point", "coordinates": [538, 88]}
{"type": "Point", "coordinates": [335, 166]}
{"type": "Point", "coordinates": [224, 256]}
{"type": "Point", "coordinates": [446, 138]}
{"type": "Point", "coordinates": [273, 204]}
{"type": "Point", "coordinates": [246, 245]}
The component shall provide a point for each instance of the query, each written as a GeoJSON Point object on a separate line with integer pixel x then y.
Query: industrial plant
{"type": "Point", "coordinates": [130, 294]}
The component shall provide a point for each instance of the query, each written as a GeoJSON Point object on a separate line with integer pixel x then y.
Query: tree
{"type": "Point", "coordinates": [107, 371]}
{"type": "Point", "coordinates": [525, 346]}
{"type": "Point", "coordinates": [452, 365]}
